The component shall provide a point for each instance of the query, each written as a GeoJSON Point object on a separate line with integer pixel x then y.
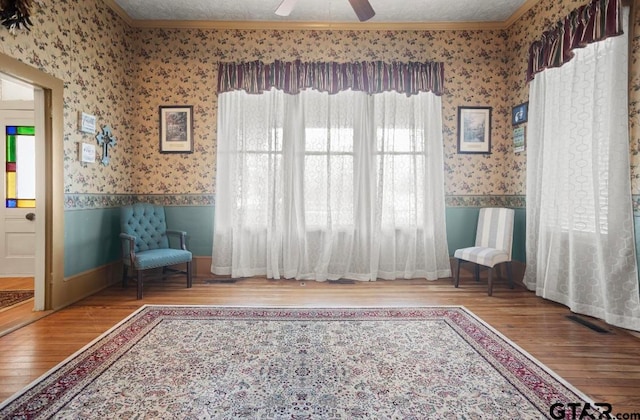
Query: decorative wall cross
{"type": "Point", "coordinates": [106, 139]}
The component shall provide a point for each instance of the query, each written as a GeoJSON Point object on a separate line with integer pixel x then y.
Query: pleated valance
{"type": "Point", "coordinates": [593, 22]}
{"type": "Point", "coordinates": [371, 77]}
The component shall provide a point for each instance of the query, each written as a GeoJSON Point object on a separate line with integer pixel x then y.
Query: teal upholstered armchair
{"type": "Point", "coordinates": [145, 243]}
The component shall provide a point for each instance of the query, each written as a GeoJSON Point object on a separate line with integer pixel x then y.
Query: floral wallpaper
{"type": "Point", "coordinates": [485, 68]}
{"type": "Point", "coordinates": [180, 67]}
{"type": "Point", "coordinates": [122, 75]}
{"type": "Point", "coordinates": [529, 28]}
{"type": "Point", "coordinates": [85, 44]}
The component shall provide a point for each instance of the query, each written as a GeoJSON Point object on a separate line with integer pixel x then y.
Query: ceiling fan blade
{"type": "Point", "coordinates": [363, 9]}
{"type": "Point", "coordinates": [286, 7]}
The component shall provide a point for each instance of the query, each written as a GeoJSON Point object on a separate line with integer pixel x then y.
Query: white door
{"type": "Point", "coordinates": [17, 182]}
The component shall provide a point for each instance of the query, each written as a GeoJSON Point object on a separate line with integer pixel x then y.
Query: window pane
{"type": "Point", "coordinates": [26, 204]}
{"type": "Point", "coordinates": [397, 128]}
{"type": "Point", "coordinates": [20, 166]}
{"type": "Point", "coordinates": [255, 190]}
{"type": "Point", "coordinates": [26, 167]}
{"type": "Point", "coordinates": [328, 165]}
{"type": "Point", "coordinates": [341, 194]}
{"type": "Point", "coordinates": [264, 132]}
{"type": "Point", "coordinates": [334, 139]}
{"type": "Point", "coordinates": [328, 190]}
{"type": "Point", "coordinates": [29, 131]}
{"type": "Point", "coordinates": [11, 185]}
{"type": "Point", "coordinates": [315, 190]}
{"type": "Point", "coordinates": [403, 180]}
{"type": "Point", "coordinates": [329, 122]}
{"type": "Point", "coordinates": [11, 148]}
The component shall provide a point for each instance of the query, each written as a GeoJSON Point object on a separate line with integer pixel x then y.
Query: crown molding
{"type": "Point", "coordinates": [528, 5]}
{"type": "Point", "coordinates": [319, 26]}
{"type": "Point", "coordinates": [120, 12]}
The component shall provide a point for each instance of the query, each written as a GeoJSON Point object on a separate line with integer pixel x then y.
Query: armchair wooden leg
{"type": "Point", "coordinates": [139, 284]}
{"type": "Point", "coordinates": [477, 271]}
{"type": "Point", "coordinates": [189, 276]}
{"type": "Point", "coordinates": [510, 274]}
{"type": "Point", "coordinates": [490, 281]}
{"type": "Point", "coordinates": [457, 278]}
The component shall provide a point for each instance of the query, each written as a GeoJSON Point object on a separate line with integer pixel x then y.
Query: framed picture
{"type": "Point", "coordinates": [86, 122]}
{"type": "Point", "coordinates": [87, 153]}
{"type": "Point", "coordinates": [176, 129]}
{"type": "Point", "coordinates": [474, 129]}
{"type": "Point", "coordinates": [520, 114]}
{"type": "Point", "coordinates": [519, 138]}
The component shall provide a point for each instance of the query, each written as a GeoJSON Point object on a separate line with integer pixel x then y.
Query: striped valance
{"type": "Point", "coordinates": [593, 22]}
{"type": "Point", "coordinates": [370, 77]}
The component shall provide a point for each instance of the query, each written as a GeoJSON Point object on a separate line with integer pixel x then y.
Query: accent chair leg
{"type": "Point", "coordinates": [477, 271]}
{"type": "Point", "coordinates": [510, 274]}
{"type": "Point", "coordinates": [189, 276]}
{"type": "Point", "coordinates": [457, 278]}
{"type": "Point", "coordinates": [139, 284]}
{"type": "Point", "coordinates": [490, 281]}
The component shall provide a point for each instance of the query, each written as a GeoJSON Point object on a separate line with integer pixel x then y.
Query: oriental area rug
{"type": "Point", "coordinates": [199, 362]}
{"type": "Point", "coordinates": [10, 298]}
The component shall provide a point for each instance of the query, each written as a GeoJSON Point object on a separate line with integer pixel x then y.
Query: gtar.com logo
{"type": "Point", "coordinates": [580, 411]}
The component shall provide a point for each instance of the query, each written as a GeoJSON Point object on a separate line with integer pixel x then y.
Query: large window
{"type": "Point", "coordinates": [329, 159]}
{"type": "Point", "coordinates": [327, 186]}
{"type": "Point", "coordinates": [580, 242]}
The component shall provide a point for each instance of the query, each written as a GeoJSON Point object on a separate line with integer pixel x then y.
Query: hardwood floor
{"type": "Point", "coordinates": [604, 366]}
{"type": "Point", "coordinates": [16, 283]}
{"type": "Point", "coordinates": [18, 315]}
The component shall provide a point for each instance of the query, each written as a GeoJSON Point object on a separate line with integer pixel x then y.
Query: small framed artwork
{"type": "Point", "coordinates": [176, 129]}
{"type": "Point", "coordinates": [86, 123]}
{"type": "Point", "coordinates": [519, 139]}
{"type": "Point", "coordinates": [520, 113]}
{"type": "Point", "coordinates": [474, 129]}
{"type": "Point", "coordinates": [87, 153]}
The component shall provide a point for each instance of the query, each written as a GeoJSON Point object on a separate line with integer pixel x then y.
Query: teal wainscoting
{"type": "Point", "coordinates": [197, 221]}
{"type": "Point", "coordinates": [91, 234]}
{"type": "Point", "coordinates": [92, 225]}
{"type": "Point", "coordinates": [461, 228]}
{"type": "Point", "coordinates": [90, 239]}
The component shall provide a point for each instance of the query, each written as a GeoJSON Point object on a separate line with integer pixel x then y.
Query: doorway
{"type": "Point", "coordinates": [48, 235]}
{"type": "Point", "coordinates": [18, 178]}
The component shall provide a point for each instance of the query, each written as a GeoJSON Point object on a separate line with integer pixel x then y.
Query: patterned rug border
{"type": "Point", "coordinates": [18, 301]}
{"type": "Point", "coordinates": [156, 313]}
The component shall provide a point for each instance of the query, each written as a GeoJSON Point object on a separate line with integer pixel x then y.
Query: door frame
{"type": "Point", "coordinates": [49, 90]}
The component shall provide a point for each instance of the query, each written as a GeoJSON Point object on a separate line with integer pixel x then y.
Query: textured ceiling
{"type": "Point", "coordinates": [322, 10]}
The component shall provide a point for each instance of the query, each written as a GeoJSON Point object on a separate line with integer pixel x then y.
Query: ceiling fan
{"type": "Point", "coordinates": [363, 8]}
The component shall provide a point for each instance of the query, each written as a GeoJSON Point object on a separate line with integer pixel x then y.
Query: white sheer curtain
{"type": "Point", "coordinates": [580, 240]}
{"type": "Point", "coordinates": [323, 187]}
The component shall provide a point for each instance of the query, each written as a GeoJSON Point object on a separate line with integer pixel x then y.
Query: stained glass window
{"type": "Point", "coordinates": [20, 167]}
